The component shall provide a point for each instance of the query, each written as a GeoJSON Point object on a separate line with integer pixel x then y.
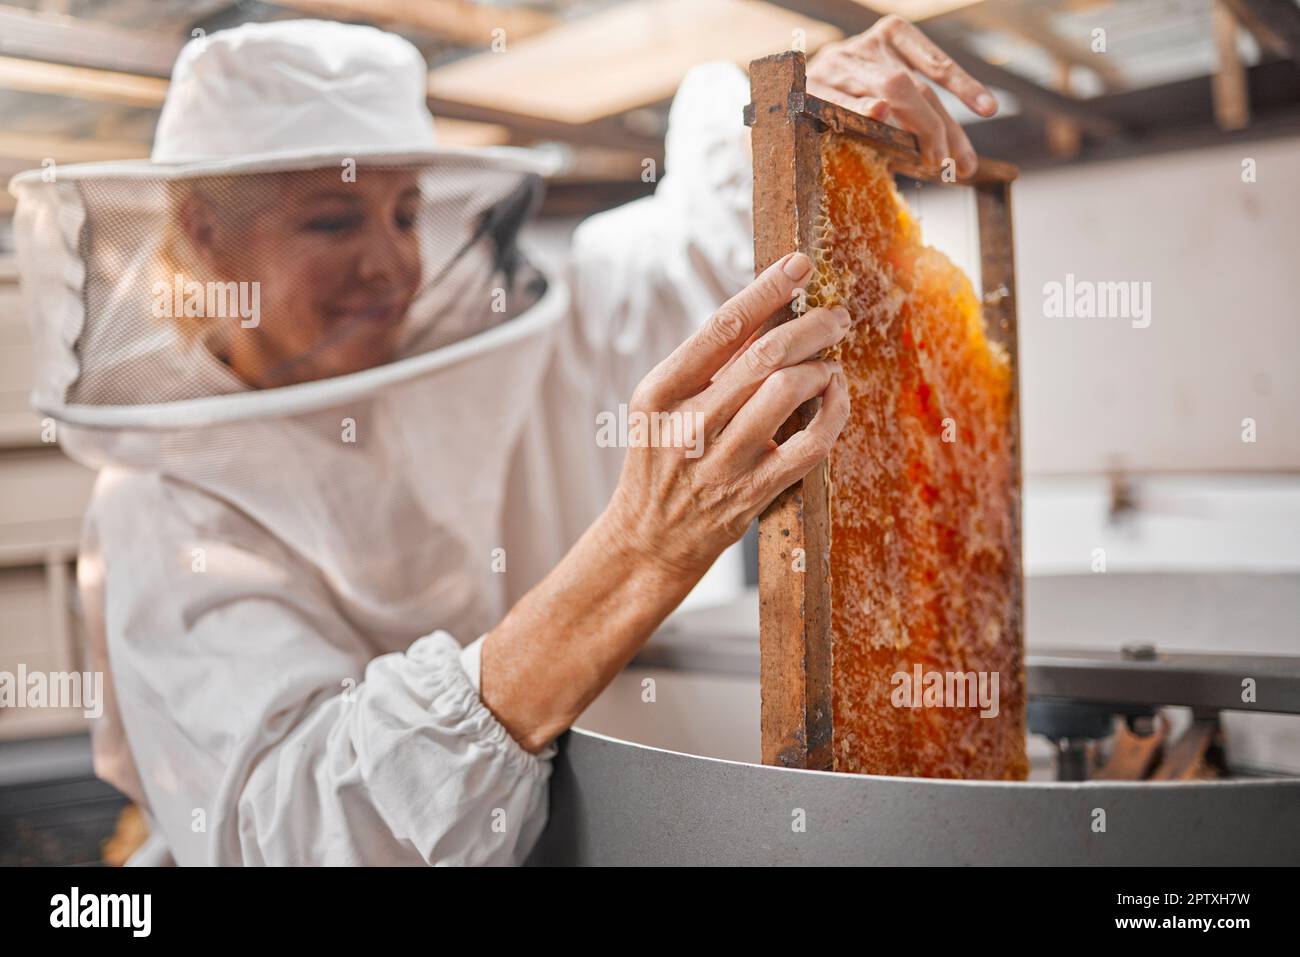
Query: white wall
{"type": "Point", "coordinates": [1223, 260]}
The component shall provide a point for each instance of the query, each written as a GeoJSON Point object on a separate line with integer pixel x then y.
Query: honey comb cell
{"type": "Point", "coordinates": [890, 582]}
{"type": "Point", "coordinates": [924, 495]}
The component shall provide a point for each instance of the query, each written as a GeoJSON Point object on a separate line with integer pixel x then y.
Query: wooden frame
{"type": "Point", "coordinates": [795, 610]}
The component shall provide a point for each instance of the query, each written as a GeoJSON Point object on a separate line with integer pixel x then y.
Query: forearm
{"type": "Point", "coordinates": [565, 640]}
{"type": "Point", "coordinates": [674, 511]}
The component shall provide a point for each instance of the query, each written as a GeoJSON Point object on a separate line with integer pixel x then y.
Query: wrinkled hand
{"type": "Point", "coordinates": [880, 74]}
{"type": "Point", "coordinates": [683, 506]}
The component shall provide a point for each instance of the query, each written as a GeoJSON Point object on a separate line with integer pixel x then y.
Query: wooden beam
{"type": "Point", "coordinates": [1063, 136]}
{"type": "Point", "coordinates": [610, 133]}
{"type": "Point", "coordinates": [65, 56]}
{"type": "Point", "coordinates": [1275, 24]}
{"type": "Point", "coordinates": [900, 146]}
{"type": "Point", "coordinates": [1231, 100]}
{"type": "Point", "coordinates": [461, 21]}
{"type": "Point", "coordinates": [1032, 26]}
{"type": "Point", "coordinates": [58, 79]}
{"type": "Point", "coordinates": [468, 133]}
{"type": "Point", "coordinates": [578, 200]}
{"type": "Point", "coordinates": [1171, 116]}
{"type": "Point", "coordinates": [794, 531]}
{"type": "Point", "coordinates": [1274, 88]}
{"type": "Point", "coordinates": [31, 149]}
{"type": "Point", "coordinates": [1031, 97]}
{"type": "Point", "coordinates": [621, 58]}
{"type": "Point", "coordinates": [86, 43]}
{"type": "Point", "coordinates": [998, 304]}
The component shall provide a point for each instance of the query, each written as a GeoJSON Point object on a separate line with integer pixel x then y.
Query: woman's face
{"type": "Point", "coordinates": [338, 264]}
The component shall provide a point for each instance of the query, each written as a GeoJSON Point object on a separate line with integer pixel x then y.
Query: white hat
{"type": "Point", "coordinates": [94, 240]}
{"type": "Point", "coordinates": [296, 94]}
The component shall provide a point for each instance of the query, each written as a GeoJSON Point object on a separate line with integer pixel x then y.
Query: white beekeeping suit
{"type": "Point", "coordinates": [285, 585]}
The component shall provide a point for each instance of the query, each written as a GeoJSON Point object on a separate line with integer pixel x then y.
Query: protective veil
{"type": "Point", "coordinates": [295, 543]}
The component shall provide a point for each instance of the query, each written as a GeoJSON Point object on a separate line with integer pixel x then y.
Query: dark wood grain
{"type": "Point", "coordinates": [794, 532]}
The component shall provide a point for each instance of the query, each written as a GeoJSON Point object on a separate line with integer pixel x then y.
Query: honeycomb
{"type": "Point", "coordinates": [925, 498]}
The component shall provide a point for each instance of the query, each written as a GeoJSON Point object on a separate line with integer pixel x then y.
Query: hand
{"type": "Point", "coordinates": [676, 506]}
{"type": "Point", "coordinates": [683, 506]}
{"type": "Point", "coordinates": [880, 74]}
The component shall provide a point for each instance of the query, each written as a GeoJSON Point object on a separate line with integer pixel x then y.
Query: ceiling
{"type": "Point", "coordinates": [84, 79]}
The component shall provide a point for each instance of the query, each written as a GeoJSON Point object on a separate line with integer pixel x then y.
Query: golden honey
{"type": "Point", "coordinates": [925, 497]}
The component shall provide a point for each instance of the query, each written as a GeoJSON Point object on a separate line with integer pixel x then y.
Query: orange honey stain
{"type": "Point", "coordinates": [924, 567]}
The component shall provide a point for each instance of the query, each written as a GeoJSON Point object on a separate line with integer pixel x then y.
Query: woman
{"type": "Point", "coordinates": [355, 557]}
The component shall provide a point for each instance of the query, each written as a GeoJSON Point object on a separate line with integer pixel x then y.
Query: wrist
{"type": "Point", "coordinates": [644, 551]}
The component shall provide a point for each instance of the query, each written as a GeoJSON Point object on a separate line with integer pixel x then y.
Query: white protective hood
{"type": "Point", "coordinates": [278, 582]}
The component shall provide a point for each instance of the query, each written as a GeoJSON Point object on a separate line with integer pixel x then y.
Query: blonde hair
{"type": "Point", "coordinates": [235, 200]}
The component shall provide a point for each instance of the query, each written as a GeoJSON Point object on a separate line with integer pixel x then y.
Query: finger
{"type": "Point", "coordinates": [807, 448]}
{"type": "Point", "coordinates": [915, 114]}
{"type": "Point", "coordinates": [788, 344]}
{"type": "Point", "coordinates": [871, 107]}
{"type": "Point", "coordinates": [692, 364]}
{"type": "Point", "coordinates": [888, 73]}
{"type": "Point", "coordinates": [735, 357]}
{"type": "Point", "coordinates": [797, 307]}
{"type": "Point", "coordinates": [959, 148]}
{"type": "Point", "coordinates": [845, 79]}
{"type": "Point", "coordinates": [775, 401]}
{"type": "Point", "coordinates": [922, 54]}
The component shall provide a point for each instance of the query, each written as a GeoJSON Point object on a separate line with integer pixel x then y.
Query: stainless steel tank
{"type": "Point", "coordinates": [661, 770]}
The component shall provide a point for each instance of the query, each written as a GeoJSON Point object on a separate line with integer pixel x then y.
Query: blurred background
{"type": "Point", "coordinates": [1159, 142]}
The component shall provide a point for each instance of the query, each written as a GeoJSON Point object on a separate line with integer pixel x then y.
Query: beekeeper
{"type": "Point", "coordinates": [354, 557]}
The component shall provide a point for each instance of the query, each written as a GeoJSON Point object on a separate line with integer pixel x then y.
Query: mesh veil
{"type": "Point", "coordinates": [222, 284]}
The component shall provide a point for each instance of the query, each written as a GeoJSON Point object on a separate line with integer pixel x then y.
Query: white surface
{"type": "Point", "coordinates": [1181, 523]}
{"type": "Point", "coordinates": [1224, 339]}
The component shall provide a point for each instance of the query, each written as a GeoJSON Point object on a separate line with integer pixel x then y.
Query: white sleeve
{"type": "Point", "coordinates": [409, 766]}
{"type": "Point", "coordinates": [265, 730]}
{"type": "Point", "coordinates": [470, 660]}
{"type": "Point", "coordinates": [646, 274]}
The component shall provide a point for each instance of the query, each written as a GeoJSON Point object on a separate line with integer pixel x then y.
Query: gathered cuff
{"type": "Point", "coordinates": [457, 701]}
